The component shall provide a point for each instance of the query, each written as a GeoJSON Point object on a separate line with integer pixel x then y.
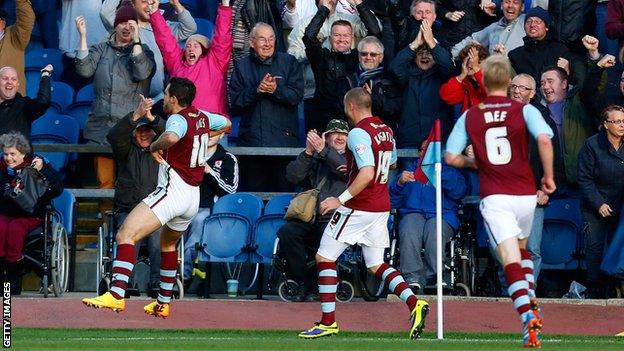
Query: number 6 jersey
{"type": "Point", "coordinates": [371, 143]}
{"type": "Point", "coordinates": [497, 129]}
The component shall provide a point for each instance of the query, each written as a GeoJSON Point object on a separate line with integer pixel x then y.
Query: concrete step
{"type": "Point", "coordinates": [86, 271]}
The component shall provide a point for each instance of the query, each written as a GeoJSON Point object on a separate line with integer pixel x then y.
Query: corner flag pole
{"type": "Point", "coordinates": [438, 186]}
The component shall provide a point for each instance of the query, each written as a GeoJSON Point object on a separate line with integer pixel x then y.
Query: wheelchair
{"type": "Point", "coordinates": [459, 268]}
{"type": "Point", "coordinates": [107, 250]}
{"type": "Point", "coordinates": [353, 276]}
{"type": "Point", "coordinates": [46, 252]}
{"type": "Point", "coordinates": [287, 288]}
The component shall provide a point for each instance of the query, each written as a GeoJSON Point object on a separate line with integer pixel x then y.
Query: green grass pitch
{"type": "Point", "coordinates": [181, 340]}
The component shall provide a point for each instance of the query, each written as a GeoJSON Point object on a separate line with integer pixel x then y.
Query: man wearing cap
{"type": "Point", "coordinates": [15, 38]}
{"type": "Point", "coordinates": [122, 68]}
{"type": "Point", "coordinates": [540, 49]}
{"type": "Point", "coordinates": [137, 172]}
{"type": "Point", "coordinates": [323, 158]}
{"type": "Point", "coordinates": [202, 61]}
{"type": "Point", "coordinates": [181, 30]}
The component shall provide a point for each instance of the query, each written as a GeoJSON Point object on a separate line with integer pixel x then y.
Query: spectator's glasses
{"type": "Point", "coordinates": [371, 54]}
{"type": "Point", "coordinates": [617, 121]}
{"type": "Point", "coordinates": [264, 41]}
{"type": "Point", "coordinates": [533, 20]}
{"type": "Point", "coordinates": [521, 88]}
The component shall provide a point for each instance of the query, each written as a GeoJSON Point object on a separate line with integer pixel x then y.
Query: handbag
{"type": "Point", "coordinates": [27, 189]}
{"type": "Point", "coordinates": [303, 206]}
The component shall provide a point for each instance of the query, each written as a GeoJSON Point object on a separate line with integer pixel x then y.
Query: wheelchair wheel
{"type": "Point", "coordinates": [44, 285]}
{"type": "Point", "coordinates": [345, 291]}
{"type": "Point", "coordinates": [103, 285]}
{"type": "Point", "coordinates": [59, 265]}
{"type": "Point", "coordinates": [178, 290]}
{"type": "Point", "coordinates": [287, 290]}
{"type": "Point", "coordinates": [461, 290]}
{"type": "Point", "coordinates": [370, 286]}
{"type": "Point", "coordinates": [100, 257]}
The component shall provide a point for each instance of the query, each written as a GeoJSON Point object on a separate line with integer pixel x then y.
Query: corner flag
{"type": "Point", "coordinates": [429, 156]}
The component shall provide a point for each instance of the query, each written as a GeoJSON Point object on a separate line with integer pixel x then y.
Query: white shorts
{"type": "Point", "coordinates": [174, 202]}
{"type": "Point", "coordinates": [349, 227]}
{"type": "Point", "coordinates": [507, 216]}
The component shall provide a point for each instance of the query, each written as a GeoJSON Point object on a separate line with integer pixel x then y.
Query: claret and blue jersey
{"type": "Point", "coordinates": [371, 143]}
{"type": "Point", "coordinates": [193, 127]}
{"type": "Point", "coordinates": [498, 130]}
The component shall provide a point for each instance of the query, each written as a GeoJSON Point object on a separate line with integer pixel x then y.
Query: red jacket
{"type": "Point", "coordinates": [469, 92]}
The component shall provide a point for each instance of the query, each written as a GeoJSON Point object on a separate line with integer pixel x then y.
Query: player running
{"type": "Point", "coordinates": [498, 131]}
{"type": "Point", "coordinates": [361, 216]}
{"type": "Point", "coordinates": [181, 152]}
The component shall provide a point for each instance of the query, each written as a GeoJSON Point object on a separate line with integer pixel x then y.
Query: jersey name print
{"type": "Point", "coordinates": [371, 143]}
{"type": "Point", "coordinates": [499, 136]}
{"type": "Point", "coordinates": [188, 156]}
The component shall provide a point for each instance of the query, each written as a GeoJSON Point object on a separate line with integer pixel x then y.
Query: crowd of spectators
{"type": "Point", "coordinates": [282, 67]}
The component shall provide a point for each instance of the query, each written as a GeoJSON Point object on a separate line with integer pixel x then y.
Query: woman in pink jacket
{"type": "Point", "coordinates": [202, 61]}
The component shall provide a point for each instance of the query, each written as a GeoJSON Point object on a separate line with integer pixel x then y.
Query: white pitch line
{"type": "Point", "coordinates": [349, 339]}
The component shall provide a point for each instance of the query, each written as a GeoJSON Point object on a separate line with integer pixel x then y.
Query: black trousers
{"type": "Point", "coordinates": [298, 245]}
{"type": "Point", "coordinates": [599, 234]}
{"type": "Point", "coordinates": [268, 173]}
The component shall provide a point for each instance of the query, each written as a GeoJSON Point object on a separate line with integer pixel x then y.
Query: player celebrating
{"type": "Point", "coordinates": [361, 216]}
{"type": "Point", "coordinates": [497, 129]}
{"type": "Point", "coordinates": [181, 152]}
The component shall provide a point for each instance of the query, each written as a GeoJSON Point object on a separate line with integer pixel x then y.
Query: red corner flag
{"type": "Point", "coordinates": [430, 155]}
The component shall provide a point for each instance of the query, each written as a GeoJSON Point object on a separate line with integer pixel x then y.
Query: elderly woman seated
{"type": "Point", "coordinates": [15, 223]}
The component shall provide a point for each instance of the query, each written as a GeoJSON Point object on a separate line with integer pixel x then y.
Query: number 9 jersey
{"type": "Point", "coordinates": [371, 143]}
{"type": "Point", "coordinates": [498, 129]}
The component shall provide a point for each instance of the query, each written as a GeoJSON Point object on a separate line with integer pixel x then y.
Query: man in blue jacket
{"type": "Point", "coordinates": [416, 206]}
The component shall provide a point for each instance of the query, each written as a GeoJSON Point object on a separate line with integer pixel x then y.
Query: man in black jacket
{"type": "Point", "coordinates": [330, 67]}
{"type": "Point", "coordinates": [17, 112]}
{"type": "Point", "coordinates": [265, 89]}
{"type": "Point", "coordinates": [541, 50]}
{"type": "Point", "coordinates": [220, 178]}
{"type": "Point", "coordinates": [137, 172]}
{"type": "Point", "coordinates": [323, 158]}
{"type": "Point", "coordinates": [372, 76]}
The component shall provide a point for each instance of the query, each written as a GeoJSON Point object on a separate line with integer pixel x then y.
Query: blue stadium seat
{"type": "Point", "coordinates": [85, 93]}
{"type": "Point", "coordinates": [562, 234]}
{"type": "Point", "coordinates": [33, 77]}
{"type": "Point", "coordinates": [80, 111]}
{"type": "Point", "coordinates": [40, 58]}
{"type": "Point", "coordinates": [62, 95]}
{"type": "Point", "coordinates": [227, 231]}
{"type": "Point", "coordinates": [53, 128]}
{"type": "Point", "coordinates": [64, 204]}
{"type": "Point", "coordinates": [265, 229]}
{"type": "Point", "coordinates": [34, 44]}
{"type": "Point", "coordinates": [204, 27]}
{"type": "Point", "coordinates": [233, 136]}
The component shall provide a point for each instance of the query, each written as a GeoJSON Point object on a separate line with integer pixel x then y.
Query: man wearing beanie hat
{"type": "Point", "coordinates": [181, 30]}
{"type": "Point", "coordinates": [541, 50]}
{"type": "Point", "coordinates": [115, 94]}
{"type": "Point", "coordinates": [204, 62]}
